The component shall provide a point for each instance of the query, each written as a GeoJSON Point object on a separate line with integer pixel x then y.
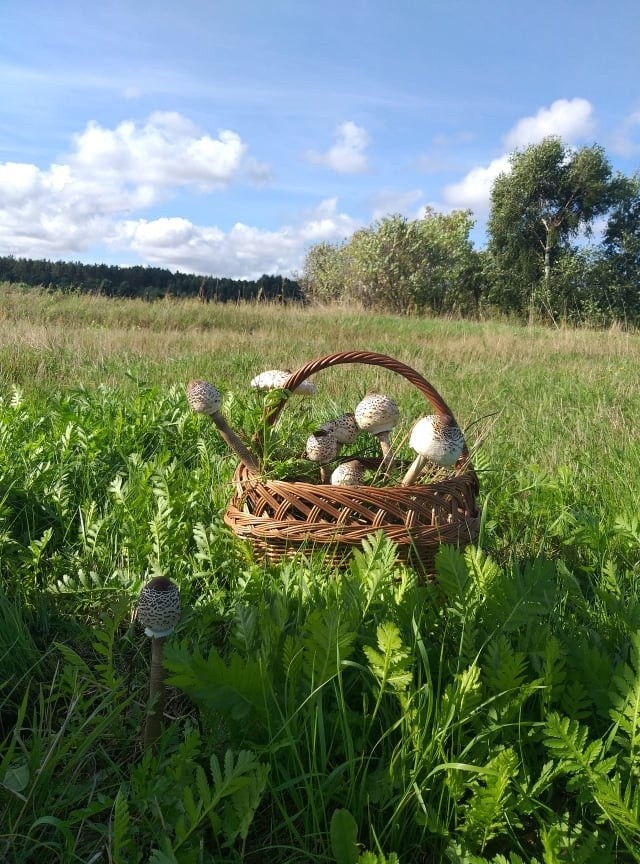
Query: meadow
{"type": "Point", "coordinates": [489, 715]}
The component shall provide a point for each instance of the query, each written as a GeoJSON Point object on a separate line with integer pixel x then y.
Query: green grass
{"type": "Point", "coordinates": [491, 716]}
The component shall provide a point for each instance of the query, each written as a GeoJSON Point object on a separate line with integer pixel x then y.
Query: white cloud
{"type": "Point", "coordinates": [244, 252]}
{"type": "Point", "coordinates": [390, 201]}
{"type": "Point", "coordinates": [625, 140]}
{"type": "Point", "coordinates": [165, 152]}
{"type": "Point", "coordinates": [347, 155]}
{"type": "Point", "coordinates": [69, 207]}
{"type": "Point", "coordinates": [569, 119]}
{"type": "Point", "coordinates": [474, 190]}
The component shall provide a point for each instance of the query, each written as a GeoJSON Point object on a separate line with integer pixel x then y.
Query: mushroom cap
{"type": "Point", "coordinates": [321, 446]}
{"type": "Point", "coordinates": [343, 427]}
{"type": "Point", "coordinates": [377, 414]}
{"type": "Point", "coordinates": [438, 438]}
{"type": "Point", "coordinates": [203, 397]}
{"type": "Point", "coordinates": [349, 473]}
{"type": "Point", "coordinates": [275, 379]}
{"type": "Point", "coordinates": [159, 607]}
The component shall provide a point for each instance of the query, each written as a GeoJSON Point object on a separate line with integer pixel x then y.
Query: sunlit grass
{"type": "Point", "coordinates": [519, 652]}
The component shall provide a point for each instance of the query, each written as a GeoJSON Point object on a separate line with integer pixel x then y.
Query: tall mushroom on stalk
{"type": "Point", "coordinates": [204, 398]}
{"type": "Point", "coordinates": [275, 379]}
{"type": "Point", "coordinates": [378, 415]}
{"type": "Point", "coordinates": [436, 438]}
{"type": "Point", "coordinates": [322, 447]}
{"type": "Point", "coordinates": [158, 611]}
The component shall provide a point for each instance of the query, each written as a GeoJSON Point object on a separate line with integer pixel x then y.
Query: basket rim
{"type": "Point", "coordinates": [371, 358]}
{"type": "Point", "coordinates": [244, 478]}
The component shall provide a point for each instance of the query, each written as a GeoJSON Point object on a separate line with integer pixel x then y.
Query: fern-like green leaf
{"type": "Point", "coordinates": [452, 573]}
{"type": "Point", "coordinates": [461, 696]}
{"type": "Point", "coordinates": [242, 803]}
{"type": "Point", "coordinates": [504, 668]}
{"type": "Point", "coordinates": [564, 841]}
{"type": "Point", "coordinates": [593, 776]}
{"type": "Point", "coordinates": [483, 570]}
{"type": "Point", "coordinates": [327, 642]}
{"type": "Point", "coordinates": [566, 740]}
{"type": "Point", "coordinates": [625, 706]}
{"type": "Point", "coordinates": [575, 700]}
{"type": "Point", "coordinates": [235, 690]}
{"type": "Point", "coordinates": [373, 566]}
{"type": "Point", "coordinates": [392, 664]}
{"type": "Point", "coordinates": [122, 841]}
{"type": "Point", "coordinates": [491, 809]}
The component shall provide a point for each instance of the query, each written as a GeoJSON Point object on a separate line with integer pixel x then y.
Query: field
{"type": "Point", "coordinates": [492, 715]}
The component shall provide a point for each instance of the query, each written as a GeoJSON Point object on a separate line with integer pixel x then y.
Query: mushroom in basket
{"type": "Point", "coordinates": [344, 428]}
{"type": "Point", "coordinates": [349, 473]}
{"type": "Point", "coordinates": [436, 438]}
{"type": "Point", "coordinates": [378, 415]}
{"type": "Point", "coordinates": [275, 379]}
{"type": "Point", "coordinates": [322, 447]}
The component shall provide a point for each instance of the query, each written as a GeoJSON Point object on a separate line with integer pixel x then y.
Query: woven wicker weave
{"type": "Point", "coordinates": [281, 518]}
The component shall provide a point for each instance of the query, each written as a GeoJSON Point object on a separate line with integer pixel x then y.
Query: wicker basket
{"type": "Point", "coordinates": [281, 518]}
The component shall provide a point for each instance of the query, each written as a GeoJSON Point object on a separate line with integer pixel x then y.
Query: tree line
{"type": "Point", "coordinates": [542, 260]}
{"type": "Point", "coordinates": [563, 245]}
{"type": "Point", "coordinates": [149, 283]}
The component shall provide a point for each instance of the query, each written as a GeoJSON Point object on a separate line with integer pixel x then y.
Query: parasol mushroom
{"type": "Point", "coordinates": [322, 447]}
{"type": "Point", "coordinates": [436, 438]}
{"type": "Point", "coordinates": [378, 415]}
{"type": "Point", "coordinates": [158, 611]}
{"type": "Point", "coordinates": [275, 379]}
{"type": "Point", "coordinates": [204, 398]}
{"type": "Point", "coordinates": [349, 473]}
{"type": "Point", "coordinates": [344, 428]}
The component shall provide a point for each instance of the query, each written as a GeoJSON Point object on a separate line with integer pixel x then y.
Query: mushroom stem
{"type": "Point", "coordinates": [234, 443]}
{"type": "Point", "coordinates": [414, 471]}
{"type": "Point", "coordinates": [157, 693]}
{"type": "Point", "coordinates": [387, 453]}
{"type": "Point", "coordinates": [325, 474]}
{"type": "Point", "coordinates": [204, 398]}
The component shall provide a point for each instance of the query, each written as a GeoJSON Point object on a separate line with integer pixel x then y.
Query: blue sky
{"type": "Point", "coordinates": [226, 138]}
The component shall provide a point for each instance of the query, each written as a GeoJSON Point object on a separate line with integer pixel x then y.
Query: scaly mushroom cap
{"type": "Point", "coordinates": [344, 428]}
{"type": "Point", "coordinates": [348, 474]}
{"type": "Point", "coordinates": [377, 414]}
{"type": "Point", "coordinates": [438, 438]}
{"type": "Point", "coordinates": [203, 397]}
{"type": "Point", "coordinates": [275, 379]}
{"type": "Point", "coordinates": [159, 607]}
{"type": "Point", "coordinates": [321, 446]}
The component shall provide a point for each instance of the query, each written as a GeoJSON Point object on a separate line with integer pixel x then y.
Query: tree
{"type": "Point", "coordinates": [400, 266]}
{"type": "Point", "coordinates": [551, 194]}
{"type": "Point", "coordinates": [622, 235]}
{"type": "Point", "coordinates": [450, 266]}
{"type": "Point", "coordinates": [617, 263]}
{"type": "Point", "coordinates": [322, 277]}
{"type": "Point", "coordinates": [384, 264]}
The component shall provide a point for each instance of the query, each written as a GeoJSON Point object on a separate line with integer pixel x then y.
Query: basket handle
{"type": "Point", "coordinates": [369, 357]}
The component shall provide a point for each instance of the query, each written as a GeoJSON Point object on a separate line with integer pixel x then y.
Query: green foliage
{"type": "Point", "coordinates": [593, 776]}
{"type": "Point", "coordinates": [400, 266]}
{"type": "Point", "coordinates": [550, 193]}
{"type": "Point", "coordinates": [150, 283]}
{"type": "Point", "coordinates": [489, 715]}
